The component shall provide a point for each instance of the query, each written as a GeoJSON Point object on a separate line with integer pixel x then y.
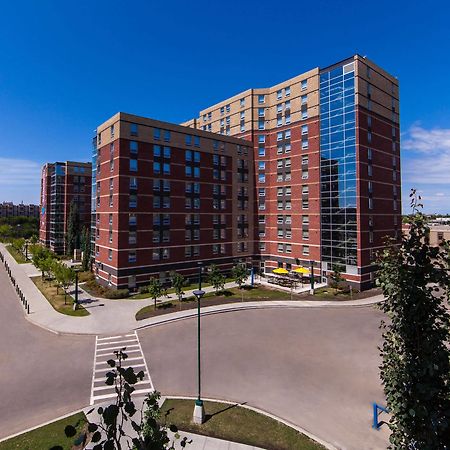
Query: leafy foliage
{"type": "Point", "coordinates": [335, 277]}
{"type": "Point", "coordinates": [415, 368]}
{"type": "Point", "coordinates": [85, 248]}
{"type": "Point", "coordinates": [216, 278]}
{"type": "Point", "coordinates": [155, 289]}
{"type": "Point", "coordinates": [19, 227]}
{"type": "Point", "coordinates": [110, 431]}
{"type": "Point", "coordinates": [240, 273]}
{"type": "Point", "coordinates": [178, 282]}
{"type": "Point", "coordinates": [73, 236]}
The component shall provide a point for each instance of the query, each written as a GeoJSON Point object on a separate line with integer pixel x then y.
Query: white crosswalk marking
{"type": "Point", "coordinates": [104, 350]}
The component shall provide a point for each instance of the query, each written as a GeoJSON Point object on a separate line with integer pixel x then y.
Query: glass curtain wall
{"type": "Point", "coordinates": [338, 166]}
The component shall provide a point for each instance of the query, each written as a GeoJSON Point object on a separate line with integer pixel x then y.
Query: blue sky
{"type": "Point", "coordinates": [65, 67]}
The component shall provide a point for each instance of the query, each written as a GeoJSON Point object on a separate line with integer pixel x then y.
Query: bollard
{"type": "Point", "coordinates": [28, 308]}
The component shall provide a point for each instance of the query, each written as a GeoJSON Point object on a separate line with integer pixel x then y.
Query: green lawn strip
{"type": "Point", "coordinates": [49, 290]}
{"type": "Point", "coordinates": [20, 259]}
{"type": "Point", "coordinates": [47, 437]}
{"type": "Point", "coordinates": [237, 424]}
{"type": "Point", "coordinates": [228, 296]}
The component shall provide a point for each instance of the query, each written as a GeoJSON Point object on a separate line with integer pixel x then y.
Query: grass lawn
{"type": "Point", "coordinates": [233, 295]}
{"type": "Point", "coordinates": [234, 423]}
{"type": "Point", "coordinates": [329, 293]}
{"type": "Point", "coordinates": [20, 259]}
{"type": "Point", "coordinates": [48, 288]}
{"type": "Point", "coordinates": [46, 437]}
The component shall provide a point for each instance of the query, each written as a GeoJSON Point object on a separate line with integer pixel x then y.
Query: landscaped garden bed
{"type": "Point", "coordinates": [235, 423]}
{"type": "Point", "coordinates": [55, 296]}
{"type": "Point", "coordinates": [246, 294]}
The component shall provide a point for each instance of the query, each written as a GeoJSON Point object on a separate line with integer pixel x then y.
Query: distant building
{"type": "Point", "coordinates": [9, 209]}
{"type": "Point", "coordinates": [438, 233]}
{"type": "Point", "coordinates": [61, 184]}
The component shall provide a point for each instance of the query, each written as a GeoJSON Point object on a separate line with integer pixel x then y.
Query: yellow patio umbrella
{"type": "Point", "coordinates": [280, 271]}
{"type": "Point", "coordinates": [302, 270]}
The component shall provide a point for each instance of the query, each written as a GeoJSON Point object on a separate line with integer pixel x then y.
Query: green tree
{"type": "Point", "coordinates": [110, 433]}
{"type": "Point", "coordinates": [18, 244]}
{"type": "Point", "coordinates": [155, 289]}
{"type": "Point", "coordinates": [240, 274]}
{"type": "Point", "coordinates": [335, 277]}
{"type": "Point", "coordinates": [73, 230]}
{"type": "Point", "coordinates": [178, 282]}
{"type": "Point", "coordinates": [415, 367]}
{"type": "Point", "coordinates": [216, 278]}
{"type": "Point", "coordinates": [86, 248]}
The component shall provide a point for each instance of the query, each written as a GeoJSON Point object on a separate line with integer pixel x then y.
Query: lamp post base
{"type": "Point", "coordinates": [199, 413]}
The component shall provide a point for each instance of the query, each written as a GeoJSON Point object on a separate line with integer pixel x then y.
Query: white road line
{"type": "Point", "coordinates": [117, 342]}
{"type": "Point", "coordinates": [93, 372]}
{"type": "Point", "coordinates": [145, 362]}
{"type": "Point", "coordinates": [111, 349]}
{"type": "Point", "coordinates": [128, 359]}
{"type": "Point", "coordinates": [104, 347]}
{"type": "Point", "coordinates": [102, 388]}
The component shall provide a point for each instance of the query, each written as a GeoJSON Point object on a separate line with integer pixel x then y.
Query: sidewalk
{"type": "Point", "coordinates": [118, 316]}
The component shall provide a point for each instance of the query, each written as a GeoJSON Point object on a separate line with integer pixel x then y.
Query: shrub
{"type": "Point", "coordinates": [143, 290]}
{"type": "Point", "coordinates": [119, 293]}
{"type": "Point", "coordinates": [344, 287]}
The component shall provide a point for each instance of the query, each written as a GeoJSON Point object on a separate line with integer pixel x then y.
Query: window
{"type": "Point", "coordinates": [369, 170]}
{"type": "Point", "coordinates": [157, 134]}
{"type": "Point", "coordinates": [111, 129]}
{"type": "Point", "coordinates": [133, 147]}
{"type": "Point", "coordinates": [196, 172]}
{"type": "Point", "coordinates": [287, 162]}
{"type": "Point", "coordinates": [261, 112]}
{"type": "Point", "coordinates": [287, 119]}
{"type": "Point", "coordinates": [305, 250]}
{"type": "Point", "coordinates": [279, 121]}
{"type": "Point", "coordinates": [304, 85]}
{"type": "Point", "coordinates": [155, 254]}
{"type": "Point", "coordinates": [304, 129]}
{"type": "Point", "coordinates": [109, 255]}
{"type": "Point", "coordinates": [261, 138]}
{"type": "Point", "coordinates": [196, 141]}
{"type": "Point", "coordinates": [369, 154]}
{"type": "Point", "coordinates": [305, 114]}
{"type": "Point", "coordinates": [156, 168]}
{"type": "Point", "coordinates": [156, 150]}
{"type": "Point", "coordinates": [261, 98]}
{"type": "Point", "coordinates": [279, 94]}
{"type": "Point", "coordinates": [305, 159]}
{"type": "Point", "coordinates": [369, 137]}
{"type": "Point", "coordinates": [279, 136]}
{"type": "Point", "coordinates": [242, 102]}
{"type": "Point", "coordinates": [261, 124]}
{"type": "Point", "coordinates": [262, 178]}
{"type": "Point", "coordinates": [288, 248]}
{"type": "Point", "coordinates": [133, 165]}
{"type": "Point", "coordinates": [370, 186]}
{"type": "Point", "coordinates": [280, 108]}
{"type": "Point", "coordinates": [132, 256]}
{"type": "Point", "coordinates": [167, 152]}
{"type": "Point", "coordinates": [279, 191]}
{"type": "Point", "coordinates": [188, 139]}
{"type": "Point", "coordinates": [132, 219]}
{"type": "Point", "coordinates": [132, 201]}
{"type": "Point", "coordinates": [287, 134]}
{"type": "Point", "coordinates": [304, 99]}
{"type": "Point", "coordinates": [196, 156]}
{"type": "Point", "coordinates": [133, 129]}
{"type": "Point", "coordinates": [167, 135]}
{"type": "Point", "coordinates": [305, 144]}
{"type": "Point", "coordinates": [280, 248]}
{"type": "Point", "coordinates": [261, 151]}
{"type": "Point", "coordinates": [188, 155]}
{"type": "Point", "coordinates": [370, 203]}
{"type": "Point", "coordinates": [261, 165]}
{"type": "Point", "coordinates": [166, 169]}
{"type": "Point", "coordinates": [287, 91]}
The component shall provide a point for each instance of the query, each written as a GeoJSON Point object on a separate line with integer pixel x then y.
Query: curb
{"type": "Point", "coordinates": [232, 307]}
{"type": "Point", "coordinates": [307, 433]}
{"type": "Point", "coordinates": [41, 425]}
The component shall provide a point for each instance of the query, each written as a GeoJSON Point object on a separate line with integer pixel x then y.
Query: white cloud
{"type": "Point", "coordinates": [427, 159]}
{"type": "Point", "coordinates": [19, 171]}
{"type": "Point", "coordinates": [427, 141]}
{"type": "Point", "coordinates": [20, 180]}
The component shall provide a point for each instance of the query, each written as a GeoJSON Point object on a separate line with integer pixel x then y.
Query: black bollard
{"type": "Point", "coordinates": [28, 308]}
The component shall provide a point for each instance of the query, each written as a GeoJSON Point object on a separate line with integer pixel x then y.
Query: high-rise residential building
{"type": "Point", "coordinates": [326, 150]}
{"type": "Point", "coordinates": [166, 197]}
{"type": "Point", "coordinates": [62, 184]}
{"type": "Point", "coordinates": [9, 209]}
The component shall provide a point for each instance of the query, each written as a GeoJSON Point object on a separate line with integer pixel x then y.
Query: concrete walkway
{"type": "Point", "coordinates": [118, 316]}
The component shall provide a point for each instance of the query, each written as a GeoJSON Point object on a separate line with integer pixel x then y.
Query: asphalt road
{"type": "Point", "coordinates": [42, 375]}
{"type": "Point", "coordinates": [317, 368]}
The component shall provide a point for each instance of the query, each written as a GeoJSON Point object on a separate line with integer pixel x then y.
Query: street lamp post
{"type": "Point", "coordinates": [75, 303]}
{"type": "Point", "coordinates": [26, 250]}
{"type": "Point", "coordinates": [312, 277]}
{"type": "Point", "coordinates": [199, 410]}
